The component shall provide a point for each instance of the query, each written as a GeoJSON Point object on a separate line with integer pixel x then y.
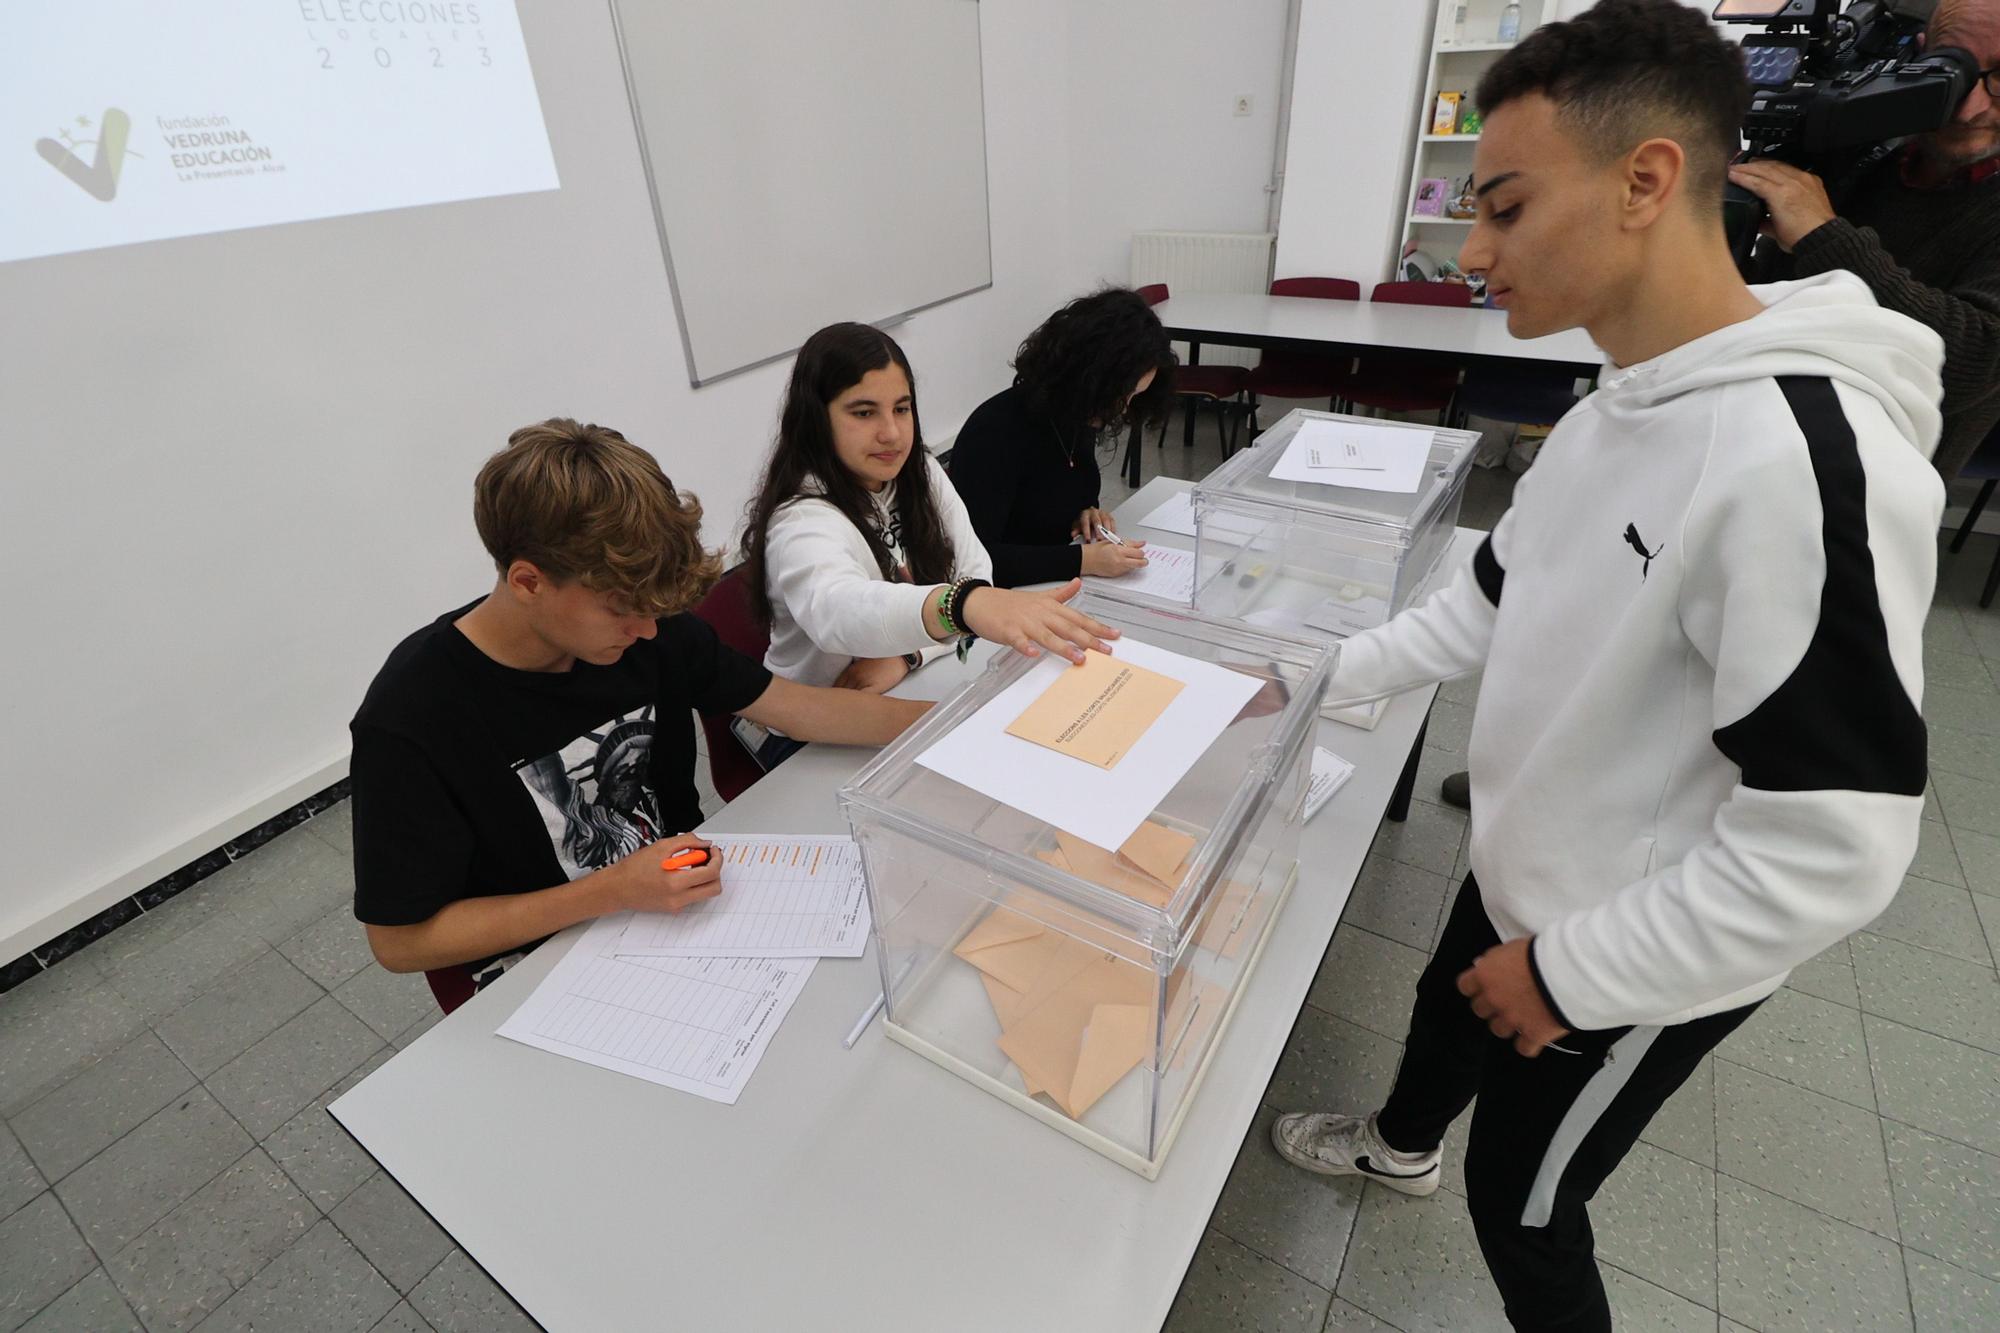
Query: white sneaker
{"type": "Point", "coordinates": [1347, 1145]}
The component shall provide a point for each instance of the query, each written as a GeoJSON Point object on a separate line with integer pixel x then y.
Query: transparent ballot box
{"type": "Point", "coordinates": [1088, 985]}
{"type": "Point", "coordinates": [1305, 558]}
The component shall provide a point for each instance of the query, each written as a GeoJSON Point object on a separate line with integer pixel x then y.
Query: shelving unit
{"type": "Point", "coordinates": [1454, 66]}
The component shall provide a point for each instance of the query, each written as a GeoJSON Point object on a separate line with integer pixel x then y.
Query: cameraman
{"type": "Point", "coordinates": [1922, 229]}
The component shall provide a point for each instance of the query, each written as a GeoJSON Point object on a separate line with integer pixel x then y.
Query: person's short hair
{"type": "Point", "coordinates": [1625, 71]}
{"type": "Point", "coordinates": [584, 505]}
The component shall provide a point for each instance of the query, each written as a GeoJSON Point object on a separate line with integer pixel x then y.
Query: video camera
{"type": "Point", "coordinates": [1834, 91]}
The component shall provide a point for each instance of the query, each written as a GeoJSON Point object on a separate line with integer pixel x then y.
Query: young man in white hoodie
{"type": "Point", "coordinates": [1697, 758]}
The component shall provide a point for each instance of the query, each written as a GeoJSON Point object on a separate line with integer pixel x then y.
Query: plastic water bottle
{"type": "Point", "coordinates": [1458, 24]}
{"type": "Point", "coordinates": [1510, 22]}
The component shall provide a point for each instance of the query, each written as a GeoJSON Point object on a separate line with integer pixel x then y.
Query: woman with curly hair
{"type": "Point", "coordinates": [1026, 460]}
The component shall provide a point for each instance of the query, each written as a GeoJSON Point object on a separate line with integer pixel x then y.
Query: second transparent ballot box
{"type": "Point", "coordinates": [1300, 557]}
{"type": "Point", "coordinates": [1088, 984]}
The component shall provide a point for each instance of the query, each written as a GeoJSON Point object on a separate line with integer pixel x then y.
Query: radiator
{"type": "Point", "coordinates": [1205, 261]}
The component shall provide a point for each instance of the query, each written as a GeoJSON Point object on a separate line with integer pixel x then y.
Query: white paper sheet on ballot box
{"type": "Point", "coordinates": [699, 1025]}
{"type": "Point", "coordinates": [1356, 454]}
{"type": "Point", "coordinates": [1101, 806]}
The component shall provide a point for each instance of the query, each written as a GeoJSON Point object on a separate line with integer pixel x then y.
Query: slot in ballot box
{"type": "Point", "coordinates": [1306, 558]}
{"type": "Point", "coordinates": [1085, 984]}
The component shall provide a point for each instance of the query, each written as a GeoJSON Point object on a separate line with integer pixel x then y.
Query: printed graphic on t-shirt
{"type": "Point", "coordinates": [595, 795]}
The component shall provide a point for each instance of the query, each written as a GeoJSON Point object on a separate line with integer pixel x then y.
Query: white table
{"type": "Point", "coordinates": [862, 1189]}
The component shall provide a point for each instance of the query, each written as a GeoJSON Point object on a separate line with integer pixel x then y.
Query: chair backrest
{"type": "Point", "coordinates": [1984, 465]}
{"type": "Point", "coordinates": [727, 611]}
{"type": "Point", "coordinates": [1153, 293]}
{"type": "Point", "coordinates": [1423, 293]}
{"type": "Point", "coordinates": [1326, 289]}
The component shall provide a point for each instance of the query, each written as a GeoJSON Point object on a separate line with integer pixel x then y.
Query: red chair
{"type": "Point", "coordinates": [1408, 382]}
{"type": "Point", "coordinates": [1220, 387]}
{"type": "Point", "coordinates": [727, 611]}
{"type": "Point", "coordinates": [1286, 372]}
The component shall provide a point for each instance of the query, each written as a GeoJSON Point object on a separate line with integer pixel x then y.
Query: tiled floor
{"type": "Point", "coordinates": [166, 1159]}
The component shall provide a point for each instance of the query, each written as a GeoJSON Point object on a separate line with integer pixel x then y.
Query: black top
{"type": "Point", "coordinates": [1024, 489]}
{"type": "Point", "coordinates": [1933, 255]}
{"type": "Point", "coordinates": [473, 779]}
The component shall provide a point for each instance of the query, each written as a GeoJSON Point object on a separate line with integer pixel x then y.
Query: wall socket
{"type": "Point", "coordinates": [1243, 104]}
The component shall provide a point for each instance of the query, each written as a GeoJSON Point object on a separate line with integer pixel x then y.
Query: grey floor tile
{"type": "Point", "coordinates": [188, 1263]}
{"type": "Point", "coordinates": [91, 1306]}
{"type": "Point", "coordinates": [1945, 1196]}
{"type": "Point", "coordinates": [1963, 752]}
{"type": "Point", "coordinates": [41, 1256]}
{"type": "Point", "coordinates": [1926, 990]}
{"type": "Point", "coordinates": [1989, 919]}
{"type": "Point", "coordinates": [1976, 710]}
{"type": "Point", "coordinates": [285, 885]}
{"type": "Point", "coordinates": [1785, 1267]}
{"type": "Point", "coordinates": [1945, 631]}
{"type": "Point", "coordinates": [389, 1002]}
{"type": "Point", "coordinates": [1685, 1124]}
{"type": "Point", "coordinates": [1416, 1264]}
{"type": "Point", "coordinates": [152, 1170]}
{"type": "Point", "coordinates": [1655, 1217]}
{"type": "Point", "coordinates": [1968, 802]}
{"type": "Point", "coordinates": [1345, 1317]}
{"type": "Point", "coordinates": [164, 979]}
{"type": "Point", "coordinates": [1946, 1297]}
{"type": "Point", "coordinates": [1464, 690]}
{"type": "Point", "coordinates": [1937, 859]}
{"type": "Point", "coordinates": [275, 1079]}
{"type": "Point", "coordinates": [152, 930]}
{"type": "Point", "coordinates": [331, 949]}
{"type": "Point", "coordinates": [1433, 767]}
{"type": "Point", "coordinates": [419, 1028]}
{"type": "Point", "coordinates": [1830, 976]}
{"type": "Point", "coordinates": [1804, 1146]}
{"type": "Point", "coordinates": [1955, 671]}
{"type": "Point", "coordinates": [1230, 1289]}
{"type": "Point", "coordinates": [319, 1156]}
{"type": "Point", "coordinates": [1450, 726]}
{"type": "Point", "coordinates": [1979, 855]}
{"type": "Point", "coordinates": [55, 1024]}
{"type": "Point", "coordinates": [243, 1008]}
{"type": "Point", "coordinates": [78, 1120]}
{"type": "Point", "coordinates": [1808, 1041]}
{"type": "Point", "coordinates": [459, 1296]}
{"type": "Point", "coordinates": [1331, 1064]}
{"type": "Point", "coordinates": [1932, 810]}
{"type": "Point", "coordinates": [1428, 839]}
{"type": "Point", "coordinates": [1933, 916]}
{"type": "Point", "coordinates": [19, 1180]}
{"type": "Point", "coordinates": [1299, 1219]}
{"type": "Point", "coordinates": [403, 1319]}
{"type": "Point", "coordinates": [395, 1234]}
{"type": "Point", "coordinates": [1936, 1084]}
{"type": "Point", "coordinates": [1637, 1306]}
{"type": "Point", "coordinates": [1399, 901]}
{"type": "Point", "coordinates": [321, 1284]}
{"type": "Point", "coordinates": [334, 827]}
{"type": "Point", "coordinates": [1368, 979]}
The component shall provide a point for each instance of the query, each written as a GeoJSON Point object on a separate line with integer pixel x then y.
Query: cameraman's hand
{"type": "Point", "coordinates": [1797, 199]}
{"type": "Point", "coordinates": [637, 883]}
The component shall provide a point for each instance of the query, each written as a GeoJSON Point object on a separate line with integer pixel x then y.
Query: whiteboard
{"type": "Point", "coordinates": [810, 161]}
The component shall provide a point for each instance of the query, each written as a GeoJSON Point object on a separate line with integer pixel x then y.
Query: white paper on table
{"type": "Point", "coordinates": [698, 1025]}
{"type": "Point", "coordinates": [1101, 806]}
{"type": "Point", "coordinates": [1330, 773]}
{"type": "Point", "coordinates": [1167, 574]}
{"type": "Point", "coordinates": [1176, 515]}
{"type": "Point", "coordinates": [783, 896]}
{"type": "Point", "coordinates": [1356, 454]}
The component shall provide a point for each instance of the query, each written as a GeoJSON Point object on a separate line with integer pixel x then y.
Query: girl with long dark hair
{"type": "Point", "coordinates": [1026, 460]}
{"type": "Point", "coordinates": [858, 553]}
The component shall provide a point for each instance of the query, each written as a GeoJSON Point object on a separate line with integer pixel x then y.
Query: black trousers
{"type": "Point", "coordinates": [1546, 1132]}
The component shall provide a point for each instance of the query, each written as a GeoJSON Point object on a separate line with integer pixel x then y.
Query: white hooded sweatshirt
{"type": "Point", "coordinates": [1697, 758]}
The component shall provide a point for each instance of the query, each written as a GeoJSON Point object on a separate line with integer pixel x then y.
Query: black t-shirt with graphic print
{"type": "Point", "coordinates": [473, 779]}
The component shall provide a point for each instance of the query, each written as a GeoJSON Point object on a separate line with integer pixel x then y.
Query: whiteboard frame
{"type": "Point", "coordinates": [666, 243]}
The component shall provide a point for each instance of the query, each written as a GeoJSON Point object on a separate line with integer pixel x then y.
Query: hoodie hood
{"type": "Point", "coordinates": [1828, 325]}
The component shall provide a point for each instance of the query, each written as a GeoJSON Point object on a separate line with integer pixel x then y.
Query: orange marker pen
{"type": "Point", "coordinates": [693, 856]}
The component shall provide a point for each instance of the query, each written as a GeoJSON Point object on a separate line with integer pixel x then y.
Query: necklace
{"type": "Point", "coordinates": [1069, 452]}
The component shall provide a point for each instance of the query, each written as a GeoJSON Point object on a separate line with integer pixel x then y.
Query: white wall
{"type": "Point", "coordinates": [239, 466]}
{"type": "Point", "coordinates": [1356, 83]}
{"type": "Point", "coordinates": [1155, 141]}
